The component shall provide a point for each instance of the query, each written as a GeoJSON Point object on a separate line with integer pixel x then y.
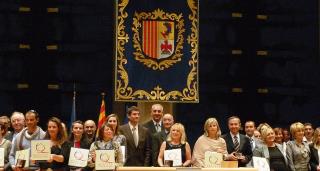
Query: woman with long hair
{"type": "Point", "coordinates": [314, 151]}
{"type": "Point", "coordinates": [60, 148]}
{"type": "Point", "coordinates": [113, 121]}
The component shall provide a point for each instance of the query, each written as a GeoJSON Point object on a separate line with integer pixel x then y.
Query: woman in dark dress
{"type": "Point", "coordinates": [60, 148]}
{"type": "Point", "coordinates": [314, 151]}
{"type": "Point", "coordinates": [176, 140]}
{"type": "Point", "coordinates": [77, 139]}
{"type": "Point", "coordinates": [272, 151]}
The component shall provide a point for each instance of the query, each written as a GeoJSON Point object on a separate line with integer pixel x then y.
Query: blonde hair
{"type": "Point", "coordinates": [265, 132]}
{"type": "Point", "coordinates": [179, 127]}
{"type": "Point", "coordinates": [315, 138]}
{"type": "Point", "coordinates": [263, 126]}
{"type": "Point", "coordinates": [208, 122]}
{"type": "Point", "coordinates": [295, 127]}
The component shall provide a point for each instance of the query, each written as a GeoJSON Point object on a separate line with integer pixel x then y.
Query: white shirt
{"type": "Point", "coordinates": [131, 127]}
{"type": "Point", "coordinates": [232, 136]}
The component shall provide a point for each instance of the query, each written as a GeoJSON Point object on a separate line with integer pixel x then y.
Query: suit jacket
{"type": "Point", "coordinates": [314, 158]}
{"type": "Point", "coordinates": [245, 147]}
{"type": "Point", "coordinates": [140, 155]}
{"type": "Point", "coordinates": [150, 126]}
{"type": "Point", "coordinates": [263, 151]}
{"type": "Point", "coordinates": [157, 140]}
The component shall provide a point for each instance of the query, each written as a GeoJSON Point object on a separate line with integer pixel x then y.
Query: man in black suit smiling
{"type": "Point", "coordinates": [238, 145]}
{"type": "Point", "coordinates": [138, 140]}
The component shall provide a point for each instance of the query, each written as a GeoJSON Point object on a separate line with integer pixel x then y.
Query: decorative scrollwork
{"type": "Point", "coordinates": [124, 92]}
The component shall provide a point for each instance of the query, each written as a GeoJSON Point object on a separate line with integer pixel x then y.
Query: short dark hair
{"type": "Point", "coordinates": [308, 124]}
{"type": "Point", "coordinates": [33, 112]}
{"type": "Point", "coordinates": [101, 130]}
{"type": "Point", "coordinates": [234, 117]}
{"type": "Point", "coordinates": [133, 108]}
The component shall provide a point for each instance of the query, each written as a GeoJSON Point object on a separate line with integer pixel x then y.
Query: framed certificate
{"type": "Point", "coordinates": [105, 160]}
{"type": "Point", "coordinates": [212, 159]}
{"type": "Point", "coordinates": [22, 158]}
{"type": "Point", "coordinates": [40, 149]}
{"type": "Point", "coordinates": [78, 157]}
{"type": "Point", "coordinates": [174, 155]}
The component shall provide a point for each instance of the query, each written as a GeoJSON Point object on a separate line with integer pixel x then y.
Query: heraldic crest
{"type": "Point", "coordinates": [156, 57]}
{"type": "Point", "coordinates": [154, 38]}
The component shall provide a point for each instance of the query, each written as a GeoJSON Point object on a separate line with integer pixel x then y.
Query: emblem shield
{"type": "Point", "coordinates": [158, 38]}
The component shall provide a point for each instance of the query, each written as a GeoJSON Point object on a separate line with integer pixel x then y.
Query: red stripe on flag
{"type": "Point", "coordinates": [102, 116]}
{"type": "Point", "coordinates": [149, 37]}
{"type": "Point", "coordinates": [152, 38]}
{"type": "Point", "coordinates": [156, 42]}
{"type": "Point", "coordinates": [144, 36]}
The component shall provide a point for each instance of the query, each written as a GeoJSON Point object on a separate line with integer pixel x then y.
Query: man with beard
{"type": "Point", "coordinates": [90, 130]}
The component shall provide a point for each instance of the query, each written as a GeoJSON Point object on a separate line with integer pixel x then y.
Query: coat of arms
{"type": "Point", "coordinates": [154, 38]}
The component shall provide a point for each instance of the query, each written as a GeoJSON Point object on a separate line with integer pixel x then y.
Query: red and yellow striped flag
{"type": "Point", "coordinates": [102, 116]}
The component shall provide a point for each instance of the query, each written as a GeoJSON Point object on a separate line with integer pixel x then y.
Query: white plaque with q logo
{"type": "Point", "coordinates": [78, 157]}
{"type": "Point", "coordinates": [1, 157]}
{"type": "Point", "coordinates": [174, 155]}
{"type": "Point", "coordinates": [40, 149]}
{"type": "Point", "coordinates": [105, 160]}
{"type": "Point", "coordinates": [212, 159]}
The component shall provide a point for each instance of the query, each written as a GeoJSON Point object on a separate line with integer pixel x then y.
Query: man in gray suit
{"type": "Point", "coordinates": [155, 124]}
{"type": "Point", "coordinates": [159, 137]}
{"type": "Point", "coordinates": [138, 140]}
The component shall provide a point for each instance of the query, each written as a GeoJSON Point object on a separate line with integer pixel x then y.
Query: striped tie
{"type": "Point", "coordinates": [236, 144]}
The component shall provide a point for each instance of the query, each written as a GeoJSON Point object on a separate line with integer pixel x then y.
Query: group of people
{"type": "Point", "coordinates": [146, 145]}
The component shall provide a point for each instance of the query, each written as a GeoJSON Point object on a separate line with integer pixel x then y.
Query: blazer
{"type": "Point", "coordinates": [140, 155]}
{"type": "Point", "coordinates": [245, 147]}
{"type": "Point", "coordinates": [150, 126]}
{"type": "Point", "coordinates": [157, 140]}
{"type": "Point", "coordinates": [262, 151]}
{"type": "Point", "coordinates": [314, 158]}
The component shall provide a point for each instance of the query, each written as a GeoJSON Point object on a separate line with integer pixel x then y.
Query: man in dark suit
{"type": "Point", "coordinates": [138, 140]}
{"type": "Point", "coordinates": [159, 137]}
{"type": "Point", "coordinates": [238, 145]}
{"type": "Point", "coordinates": [155, 124]}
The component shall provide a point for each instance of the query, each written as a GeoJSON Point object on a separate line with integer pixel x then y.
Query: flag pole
{"type": "Point", "coordinates": [102, 113]}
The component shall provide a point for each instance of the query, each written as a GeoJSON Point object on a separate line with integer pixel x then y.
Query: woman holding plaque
{"type": "Point", "coordinates": [272, 151]}
{"type": "Point", "coordinates": [60, 148]}
{"type": "Point", "coordinates": [113, 121]}
{"type": "Point", "coordinates": [105, 141]}
{"type": "Point", "coordinates": [209, 141]}
{"type": "Point", "coordinates": [176, 140]}
{"type": "Point", "coordinates": [6, 145]}
{"type": "Point", "coordinates": [315, 150]}
{"type": "Point", "coordinates": [77, 137]}
{"type": "Point", "coordinates": [298, 152]}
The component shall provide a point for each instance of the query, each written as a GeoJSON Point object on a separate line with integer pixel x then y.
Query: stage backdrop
{"type": "Point", "coordinates": [157, 50]}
